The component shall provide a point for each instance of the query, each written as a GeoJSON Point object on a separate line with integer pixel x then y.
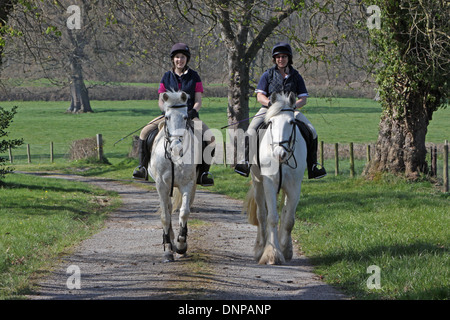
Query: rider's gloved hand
{"type": "Point", "coordinates": [192, 114]}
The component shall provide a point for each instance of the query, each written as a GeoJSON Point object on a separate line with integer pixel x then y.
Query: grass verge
{"type": "Point", "coordinates": [347, 225]}
{"type": "Point", "coordinates": [40, 219]}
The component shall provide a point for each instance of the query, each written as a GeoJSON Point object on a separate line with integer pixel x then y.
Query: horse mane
{"type": "Point", "coordinates": [279, 102]}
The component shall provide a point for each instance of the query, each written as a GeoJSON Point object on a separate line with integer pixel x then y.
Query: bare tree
{"type": "Point", "coordinates": [64, 38]}
{"type": "Point", "coordinates": [244, 26]}
{"type": "Point", "coordinates": [5, 8]}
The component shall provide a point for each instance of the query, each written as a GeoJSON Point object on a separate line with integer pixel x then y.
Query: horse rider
{"type": "Point", "coordinates": [282, 77]}
{"type": "Point", "coordinates": [183, 78]}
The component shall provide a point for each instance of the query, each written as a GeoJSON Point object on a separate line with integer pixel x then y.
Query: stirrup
{"type": "Point", "coordinates": [138, 170]}
{"type": "Point", "coordinates": [243, 169]}
{"type": "Point", "coordinates": [206, 174]}
{"type": "Point", "coordinates": [321, 172]}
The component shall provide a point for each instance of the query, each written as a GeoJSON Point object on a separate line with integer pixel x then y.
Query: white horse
{"type": "Point", "coordinates": [173, 168]}
{"type": "Point", "coordinates": [281, 166]}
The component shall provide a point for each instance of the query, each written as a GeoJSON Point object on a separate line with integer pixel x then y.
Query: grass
{"type": "Point", "coordinates": [39, 219]}
{"type": "Point", "coordinates": [401, 227]}
{"type": "Point", "coordinates": [344, 225]}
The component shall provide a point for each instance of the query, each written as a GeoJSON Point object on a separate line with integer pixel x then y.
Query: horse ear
{"type": "Point", "coordinates": [273, 98]}
{"type": "Point", "coordinates": [292, 98]}
{"type": "Point", "coordinates": [160, 125]}
{"type": "Point", "coordinates": [165, 96]}
{"type": "Point", "coordinates": [184, 96]}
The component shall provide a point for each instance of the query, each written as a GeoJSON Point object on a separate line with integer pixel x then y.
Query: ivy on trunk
{"type": "Point", "coordinates": [412, 49]}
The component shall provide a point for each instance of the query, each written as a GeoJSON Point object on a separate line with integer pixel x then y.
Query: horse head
{"type": "Point", "coordinates": [280, 120]}
{"type": "Point", "coordinates": [176, 122]}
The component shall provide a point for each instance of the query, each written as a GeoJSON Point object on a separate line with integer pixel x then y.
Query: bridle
{"type": "Point", "coordinates": [289, 144]}
{"type": "Point", "coordinates": [169, 137]}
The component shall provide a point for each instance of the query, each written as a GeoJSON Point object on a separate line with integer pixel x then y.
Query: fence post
{"type": "Point", "coordinates": [446, 166]}
{"type": "Point", "coordinates": [352, 161]}
{"type": "Point", "coordinates": [321, 152]}
{"type": "Point", "coordinates": [433, 161]}
{"type": "Point", "coordinates": [10, 155]}
{"type": "Point", "coordinates": [51, 152]}
{"type": "Point", "coordinates": [28, 153]}
{"type": "Point", "coordinates": [368, 153]}
{"type": "Point", "coordinates": [100, 147]}
{"type": "Point", "coordinates": [336, 159]}
{"type": "Point", "coordinates": [224, 153]}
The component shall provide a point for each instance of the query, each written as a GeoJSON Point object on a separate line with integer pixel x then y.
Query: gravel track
{"type": "Point", "coordinates": [124, 260]}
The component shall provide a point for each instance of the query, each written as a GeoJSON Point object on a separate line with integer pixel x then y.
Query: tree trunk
{"type": "Point", "coordinates": [240, 54]}
{"type": "Point", "coordinates": [5, 7]}
{"type": "Point", "coordinates": [79, 95]}
{"type": "Point", "coordinates": [238, 100]}
{"type": "Point", "coordinates": [238, 92]}
{"type": "Point", "coordinates": [400, 148]}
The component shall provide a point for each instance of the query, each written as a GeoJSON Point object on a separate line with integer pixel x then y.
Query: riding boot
{"type": "Point", "coordinates": [203, 172]}
{"type": "Point", "coordinates": [141, 171]}
{"type": "Point", "coordinates": [244, 168]}
{"type": "Point", "coordinates": [315, 170]}
{"type": "Point", "coordinates": [144, 148]}
{"type": "Point", "coordinates": [203, 176]}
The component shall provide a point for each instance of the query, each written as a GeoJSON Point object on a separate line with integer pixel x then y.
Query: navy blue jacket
{"type": "Point", "coordinates": [188, 82]}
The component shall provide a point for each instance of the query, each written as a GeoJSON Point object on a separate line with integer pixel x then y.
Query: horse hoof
{"type": "Point", "coordinates": [182, 250]}
{"type": "Point", "coordinates": [168, 257]}
{"type": "Point", "coordinates": [272, 256]}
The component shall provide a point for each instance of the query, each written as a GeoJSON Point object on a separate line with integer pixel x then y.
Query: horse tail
{"type": "Point", "coordinates": [250, 206]}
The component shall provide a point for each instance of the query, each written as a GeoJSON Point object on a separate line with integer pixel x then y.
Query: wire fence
{"type": "Point", "coordinates": [340, 158]}
{"type": "Point", "coordinates": [38, 153]}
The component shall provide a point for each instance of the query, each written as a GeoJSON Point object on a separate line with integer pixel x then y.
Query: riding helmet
{"type": "Point", "coordinates": [180, 48]}
{"type": "Point", "coordinates": [282, 47]}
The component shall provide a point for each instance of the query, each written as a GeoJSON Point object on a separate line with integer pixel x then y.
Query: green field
{"type": "Point", "coordinates": [39, 123]}
{"type": "Point", "coordinates": [344, 225]}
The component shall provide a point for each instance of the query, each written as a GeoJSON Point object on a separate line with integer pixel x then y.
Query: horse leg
{"type": "Point", "coordinates": [288, 220]}
{"type": "Point", "coordinates": [166, 215]}
{"type": "Point", "coordinates": [272, 252]}
{"type": "Point", "coordinates": [261, 212]}
{"type": "Point", "coordinates": [287, 223]}
{"type": "Point", "coordinates": [181, 246]}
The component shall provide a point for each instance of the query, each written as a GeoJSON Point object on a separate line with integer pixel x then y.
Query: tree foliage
{"type": "Point", "coordinates": [5, 120]}
{"type": "Point", "coordinates": [413, 49]}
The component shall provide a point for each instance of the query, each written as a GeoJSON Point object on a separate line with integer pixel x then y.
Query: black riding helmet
{"type": "Point", "coordinates": [282, 48]}
{"type": "Point", "coordinates": [180, 48]}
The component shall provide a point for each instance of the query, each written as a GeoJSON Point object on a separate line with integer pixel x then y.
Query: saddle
{"type": "Point", "coordinates": [152, 135]}
{"type": "Point", "coordinates": [304, 130]}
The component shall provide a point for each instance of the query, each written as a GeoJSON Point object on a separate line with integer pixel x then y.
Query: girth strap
{"type": "Point", "coordinates": [173, 178]}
